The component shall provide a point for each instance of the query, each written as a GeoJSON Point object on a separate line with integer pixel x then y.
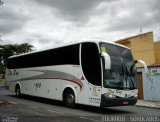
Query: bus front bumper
{"type": "Point", "coordinates": [109, 102]}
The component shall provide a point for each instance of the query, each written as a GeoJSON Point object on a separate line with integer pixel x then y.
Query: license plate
{"type": "Point", "coordinates": [125, 102]}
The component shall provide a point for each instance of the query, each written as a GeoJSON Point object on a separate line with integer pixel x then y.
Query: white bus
{"type": "Point", "coordinates": [91, 73]}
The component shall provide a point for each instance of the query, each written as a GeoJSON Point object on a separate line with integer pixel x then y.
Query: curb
{"type": "Point", "coordinates": [148, 104]}
{"type": "Point", "coordinates": [2, 86]}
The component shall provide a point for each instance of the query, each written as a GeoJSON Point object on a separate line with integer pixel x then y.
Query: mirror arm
{"type": "Point", "coordinates": [144, 64]}
{"type": "Point", "coordinates": [107, 60]}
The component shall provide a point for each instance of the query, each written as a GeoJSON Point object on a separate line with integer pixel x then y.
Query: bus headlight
{"type": "Point", "coordinates": [135, 96]}
{"type": "Point", "coordinates": [109, 95]}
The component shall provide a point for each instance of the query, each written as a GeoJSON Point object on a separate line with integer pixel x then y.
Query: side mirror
{"type": "Point", "coordinates": [144, 64]}
{"type": "Point", "coordinates": [107, 60]}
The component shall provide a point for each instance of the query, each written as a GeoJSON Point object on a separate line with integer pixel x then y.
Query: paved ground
{"type": "Point", "coordinates": [34, 109]}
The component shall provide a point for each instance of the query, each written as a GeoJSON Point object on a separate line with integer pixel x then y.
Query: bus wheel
{"type": "Point", "coordinates": [17, 91]}
{"type": "Point", "coordinates": [69, 99]}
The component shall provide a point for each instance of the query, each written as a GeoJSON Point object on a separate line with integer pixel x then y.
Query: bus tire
{"type": "Point", "coordinates": [69, 99]}
{"type": "Point", "coordinates": [18, 91]}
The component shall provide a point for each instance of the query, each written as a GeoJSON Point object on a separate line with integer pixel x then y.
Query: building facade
{"type": "Point", "coordinates": [144, 48]}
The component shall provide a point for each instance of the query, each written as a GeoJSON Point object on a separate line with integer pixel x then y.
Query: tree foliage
{"type": "Point", "coordinates": [12, 49]}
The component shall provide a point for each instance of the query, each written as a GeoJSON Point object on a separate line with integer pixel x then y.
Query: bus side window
{"type": "Point", "coordinates": [91, 63]}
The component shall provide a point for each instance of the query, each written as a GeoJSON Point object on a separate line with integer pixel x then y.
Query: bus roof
{"type": "Point", "coordinates": [68, 44]}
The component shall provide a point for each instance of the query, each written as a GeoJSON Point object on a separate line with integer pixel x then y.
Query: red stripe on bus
{"type": "Point", "coordinates": [65, 80]}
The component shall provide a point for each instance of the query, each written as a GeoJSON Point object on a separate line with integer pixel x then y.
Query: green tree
{"type": "Point", "coordinates": [23, 48]}
{"type": "Point", "coordinates": [12, 49]}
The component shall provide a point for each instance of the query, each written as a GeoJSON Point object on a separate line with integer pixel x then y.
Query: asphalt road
{"type": "Point", "coordinates": [33, 109]}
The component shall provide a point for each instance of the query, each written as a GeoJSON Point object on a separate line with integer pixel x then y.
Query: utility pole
{"type": "Point", "coordinates": [140, 30]}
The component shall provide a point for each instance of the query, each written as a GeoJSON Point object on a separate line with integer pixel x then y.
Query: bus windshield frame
{"type": "Point", "coordinates": [122, 74]}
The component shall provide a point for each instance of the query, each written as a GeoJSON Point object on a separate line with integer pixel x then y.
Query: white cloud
{"type": "Point", "coordinates": [45, 23]}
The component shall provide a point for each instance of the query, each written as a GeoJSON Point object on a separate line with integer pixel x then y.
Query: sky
{"type": "Point", "coordinates": [46, 23]}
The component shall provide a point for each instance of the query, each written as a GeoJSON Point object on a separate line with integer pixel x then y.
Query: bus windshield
{"type": "Point", "coordinates": [122, 74]}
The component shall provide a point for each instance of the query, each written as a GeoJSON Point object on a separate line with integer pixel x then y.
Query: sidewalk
{"type": "Point", "coordinates": [143, 103]}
